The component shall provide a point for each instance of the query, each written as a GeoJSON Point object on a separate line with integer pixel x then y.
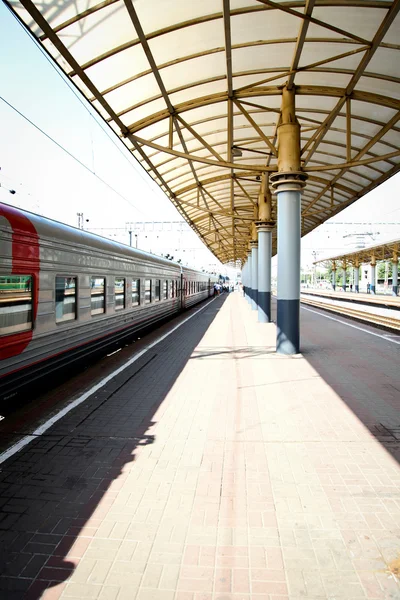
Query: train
{"type": "Point", "coordinates": [67, 294]}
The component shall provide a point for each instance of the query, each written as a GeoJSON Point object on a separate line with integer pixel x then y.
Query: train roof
{"type": "Point", "coordinates": [73, 235]}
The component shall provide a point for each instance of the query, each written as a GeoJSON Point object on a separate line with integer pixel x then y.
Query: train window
{"type": "Point", "coordinates": [97, 295]}
{"type": "Point", "coordinates": [165, 290]}
{"type": "Point", "coordinates": [15, 303]}
{"type": "Point", "coordinates": [176, 288]}
{"type": "Point", "coordinates": [147, 291]}
{"type": "Point", "coordinates": [135, 292]}
{"type": "Point", "coordinates": [158, 290]}
{"type": "Point", "coordinates": [172, 291]}
{"type": "Point", "coordinates": [119, 291]}
{"type": "Point", "coordinates": [65, 299]}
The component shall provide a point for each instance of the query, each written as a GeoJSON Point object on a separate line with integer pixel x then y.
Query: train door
{"type": "Point", "coordinates": [183, 291]}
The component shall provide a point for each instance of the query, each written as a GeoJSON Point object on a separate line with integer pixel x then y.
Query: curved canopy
{"type": "Point", "coordinates": [194, 90]}
{"type": "Point", "coordinates": [383, 251]}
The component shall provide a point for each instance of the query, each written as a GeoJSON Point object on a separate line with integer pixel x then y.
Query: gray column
{"type": "Point", "coordinates": [334, 279]}
{"type": "Point", "coordinates": [373, 279]}
{"type": "Point", "coordinates": [344, 278]}
{"type": "Point", "coordinates": [254, 275]}
{"type": "Point", "coordinates": [247, 284]}
{"type": "Point", "coordinates": [356, 279]}
{"type": "Point", "coordinates": [288, 315]}
{"type": "Point", "coordinates": [395, 276]}
{"type": "Point", "coordinates": [264, 273]}
{"type": "Point", "coordinates": [249, 273]}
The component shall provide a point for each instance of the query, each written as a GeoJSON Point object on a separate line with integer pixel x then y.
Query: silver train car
{"type": "Point", "coordinates": [66, 294]}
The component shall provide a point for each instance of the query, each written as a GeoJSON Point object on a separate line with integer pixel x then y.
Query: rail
{"type": "Point", "coordinates": [382, 321]}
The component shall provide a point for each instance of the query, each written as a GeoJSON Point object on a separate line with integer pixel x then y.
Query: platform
{"type": "Point", "coordinates": [386, 300]}
{"type": "Point", "coordinates": [214, 469]}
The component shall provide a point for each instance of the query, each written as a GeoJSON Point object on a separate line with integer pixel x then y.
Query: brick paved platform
{"type": "Point", "coordinates": [214, 469]}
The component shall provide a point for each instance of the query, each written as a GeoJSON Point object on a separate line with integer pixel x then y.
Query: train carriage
{"type": "Point", "coordinates": [66, 294]}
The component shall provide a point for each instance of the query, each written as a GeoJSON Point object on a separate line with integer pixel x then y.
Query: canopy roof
{"type": "Point", "coordinates": [194, 91]}
{"type": "Point", "coordinates": [382, 251]}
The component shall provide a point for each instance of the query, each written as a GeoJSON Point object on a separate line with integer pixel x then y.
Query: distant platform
{"type": "Point", "coordinates": [372, 299]}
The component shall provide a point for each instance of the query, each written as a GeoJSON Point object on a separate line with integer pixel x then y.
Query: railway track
{"type": "Point", "coordinates": [382, 321]}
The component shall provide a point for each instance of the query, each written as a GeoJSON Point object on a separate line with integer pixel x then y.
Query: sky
{"type": "Point", "coordinates": [61, 159]}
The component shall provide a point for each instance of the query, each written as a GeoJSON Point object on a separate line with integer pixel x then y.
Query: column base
{"type": "Point", "coordinates": [357, 289]}
{"type": "Point", "coordinates": [254, 300]}
{"type": "Point", "coordinates": [372, 289]}
{"type": "Point", "coordinates": [288, 327]}
{"type": "Point", "coordinates": [264, 307]}
{"type": "Point", "coordinates": [394, 290]}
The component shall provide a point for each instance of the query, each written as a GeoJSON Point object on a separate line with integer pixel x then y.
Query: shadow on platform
{"type": "Point", "coordinates": [55, 493]}
{"type": "Point", "coordinates": [362, 370]}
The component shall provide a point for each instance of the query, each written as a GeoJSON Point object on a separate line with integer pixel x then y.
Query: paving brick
{"type": "Point", "coordinates": [279, 484]}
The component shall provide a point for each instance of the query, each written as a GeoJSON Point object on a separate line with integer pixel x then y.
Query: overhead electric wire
{"type": "Point", "coordinates": [110, 133]}
{"type": "Point", "coordinates": [82, 164]}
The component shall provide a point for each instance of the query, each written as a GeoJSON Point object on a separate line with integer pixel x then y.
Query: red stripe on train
{"type": "Point", "coordinates": [25, 261]}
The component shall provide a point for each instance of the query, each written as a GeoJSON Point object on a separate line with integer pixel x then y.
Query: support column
{"type": "Point", "coordinates": [250, 294]}
{"type": "Point", "coordinates": [244, 279]}
{"type": "Point", "coordinates": [264, 226]}
{"type": "Point", "coordinates": [247, 280]}
{"type": "Point", "coordinates": [357, 278]}
{"type": "Point", "coordinates": [264, 272]}
{"type": "Point", "coordinates": [344, 276]}
{"type": "Point", "coordinates": [395, 273]}
{"type": "Point", "coordinates": [254, 274]}
{"type": "Point", "coordinates": [334, 276]}
{"type": "Point", "coordinates": [373, 275]}
{"type": "Point", "coordinates": [288, 183]}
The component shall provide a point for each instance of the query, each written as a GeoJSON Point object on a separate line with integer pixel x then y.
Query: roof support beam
{"type": "Point", "coordinates": [256, 127]}
{"type": "Point", "coordinates": [254, 202]}
{"type": "Point", "coordinates": [228, 54]}
{"type": "Point", "coordinates": [387, 21]}
{"type": "Point", "coordinates": [300, 42]}
{"type": "Point", "coordinates": [201, 159]}
{"type": "Point", "coordinates": [145, 45]}
{"type": "Point", "coordinates": [316, 138]}
{"type": "Point", "coordinates": [228, 45]}
{"type": "Point", "coordinates": [171, 133]}
{"type": "Point", "coordinates": [310, 19]}
{"type": "Point", "coordinates": [348, 129]}
{"type": "Point", "coordinates": [309, 90]}
{"type": "Point", "coordinates": [353, 163]}
{"type": "Point", "coordinates": [370, 144]}
{"type": "Point", "coordinates": [199, 138]}
{"type": "Point", "coordinates": [378, 37]}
